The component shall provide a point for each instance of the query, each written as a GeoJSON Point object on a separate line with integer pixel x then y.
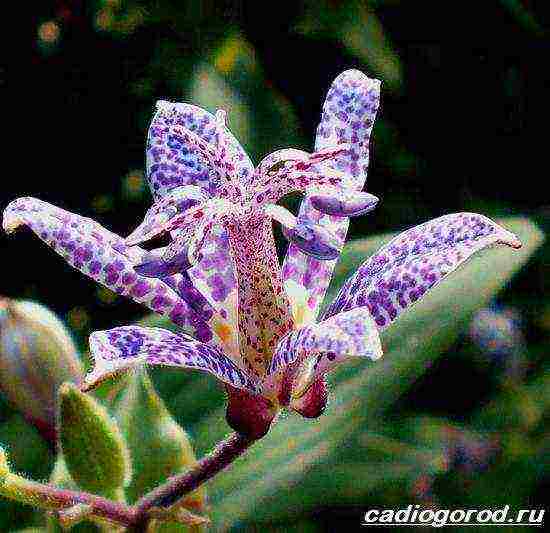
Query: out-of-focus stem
{"type": "Point", "coordinates": [50, 497]}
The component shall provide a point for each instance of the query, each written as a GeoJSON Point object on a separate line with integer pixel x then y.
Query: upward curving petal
{"type": "Point", "coordinates": [174, 161]}
{"type": "Point", "coordinates": [120, 348]}
{"type": "Point", "coordinates": [347, 119]}
{"type": "Point", "coordinates": [321, 347]}
{"type": "Point", "coordinates": [415, 261]}
{"type": "Point", "coordinates": [104, 257]}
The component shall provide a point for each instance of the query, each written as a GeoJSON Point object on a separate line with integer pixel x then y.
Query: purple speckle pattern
{"type": "Point", "coordinates": [415, 261]}
{"type": "Point", "coordinates": [347, 118]}
{"type": "Point", "coordinates": [172, 161]}
{"type": "Point", "coordinates": [215, 268]}
{"type": "Point", "coordinates": [104, 257]}
{"type": "Point", "coordinates": [119, 348]}
{"type": "Point", "coordinates": [254, 324]}
{"type": "Point", "coordinates": [348, 334]}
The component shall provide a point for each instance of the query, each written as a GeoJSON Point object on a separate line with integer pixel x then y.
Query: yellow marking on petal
{"type": "Point", "coordinates": [301, 312]}
{"type": "Point", "coordinates": [223, 331]}
{"type": "Point", "coordinates": [12, 223]}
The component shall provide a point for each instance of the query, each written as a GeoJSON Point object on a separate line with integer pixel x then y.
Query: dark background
{"type": "Point", "coordinates": [463, 126]}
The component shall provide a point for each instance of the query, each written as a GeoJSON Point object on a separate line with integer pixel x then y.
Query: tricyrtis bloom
{"type": "Point", "coordinates": [244, 317]}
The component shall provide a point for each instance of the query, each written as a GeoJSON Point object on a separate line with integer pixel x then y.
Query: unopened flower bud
{"type": "Point", "coordinates": [313, 402]}
{"type": "Point", "coordinates": [95, 452]}
{"type": "Point", "coordinates": [37, 355]}
{"type": "Point", "coordinates": [498, 334]}
{"type": "Point", "coordinates": [468, 453]}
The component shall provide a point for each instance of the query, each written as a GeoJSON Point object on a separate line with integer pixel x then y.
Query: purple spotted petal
{"type": "Point", "coordinates": [212, 274]}
{"type": "Point", "coordinates": [415, 261]}
{"type": "Point", "coordinates": [117, 349]}
{"type": "Point", "coordinates": [324, 345]}
{"type": "Point", "coordinates": [103, 256]}
{"type": "Point", "coordinates": [348, 117]}
{"type": "Point", "coordinates": [172, 162]}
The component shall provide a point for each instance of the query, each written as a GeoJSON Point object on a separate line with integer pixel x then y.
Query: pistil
{"type": "Point", "coordinates": [264, 310]}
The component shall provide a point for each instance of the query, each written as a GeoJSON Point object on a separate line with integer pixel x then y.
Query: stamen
{"type": "Point", "coordinates": [314, 240]}
{"type": "Point", "coordinates": [177, 201]}
{"type": "Point", "coordinates": [151, 227]}
{"type": "Point", "coordinates": [281, 215]}
{"type": "Point", "coordinates": [343, 203]}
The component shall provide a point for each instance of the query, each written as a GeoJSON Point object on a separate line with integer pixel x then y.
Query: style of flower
{"type": "Point", "coordinates": [243, 317]}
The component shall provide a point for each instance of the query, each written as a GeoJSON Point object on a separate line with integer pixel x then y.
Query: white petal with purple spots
{"type": "Point", "coordinates": [121, 348]}
{"type": "Point", "coordinates": [415, 261]}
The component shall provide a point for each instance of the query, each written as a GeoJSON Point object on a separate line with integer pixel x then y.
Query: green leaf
{"type": "Point", "coordinates": [93, 447]}
{"type": "Point", "coordinates": [159, 447]}
{"type": "Point", "coordinates": [285, 465]}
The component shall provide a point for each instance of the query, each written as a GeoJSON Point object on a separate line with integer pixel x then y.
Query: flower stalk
{"type": "Point", "coordinates": [136, 518]}
{"type": "Point", "coordinates": [177, 487]}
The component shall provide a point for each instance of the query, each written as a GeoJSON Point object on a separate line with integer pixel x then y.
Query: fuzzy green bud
{"type": "Point", "coordinates": [95, 452]}
{"type": "Point", "coordinates": [37, 355]}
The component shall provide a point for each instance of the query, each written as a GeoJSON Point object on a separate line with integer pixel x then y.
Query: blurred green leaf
{"type": "Point", "coordinates": [28, 454]}
{"type": "Point", "coordinates": [355, 24]}
{"type": "Point", "coordinates": [159, 447]}
{"type": "Point", "coordinates": [523, 16]}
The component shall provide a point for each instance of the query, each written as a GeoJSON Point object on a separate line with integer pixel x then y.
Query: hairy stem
{"type": "Point", "coordinates": [49, 497]}
{"type": "Point", "coordinates": [178, 486]}
{"type": "Point", "coordinates": [135, 518]}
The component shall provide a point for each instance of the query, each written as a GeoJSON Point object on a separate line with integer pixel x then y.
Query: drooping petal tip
{"type": "Point", "coordinates": [11, 220]}
{"type": "Point", "coordinates": [503, 236]}
{"type": "Point", "coordinates": [512, 241]}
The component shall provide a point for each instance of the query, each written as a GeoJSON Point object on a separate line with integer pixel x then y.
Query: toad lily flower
{"type": "Point", "coordinates": [245, 318]}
